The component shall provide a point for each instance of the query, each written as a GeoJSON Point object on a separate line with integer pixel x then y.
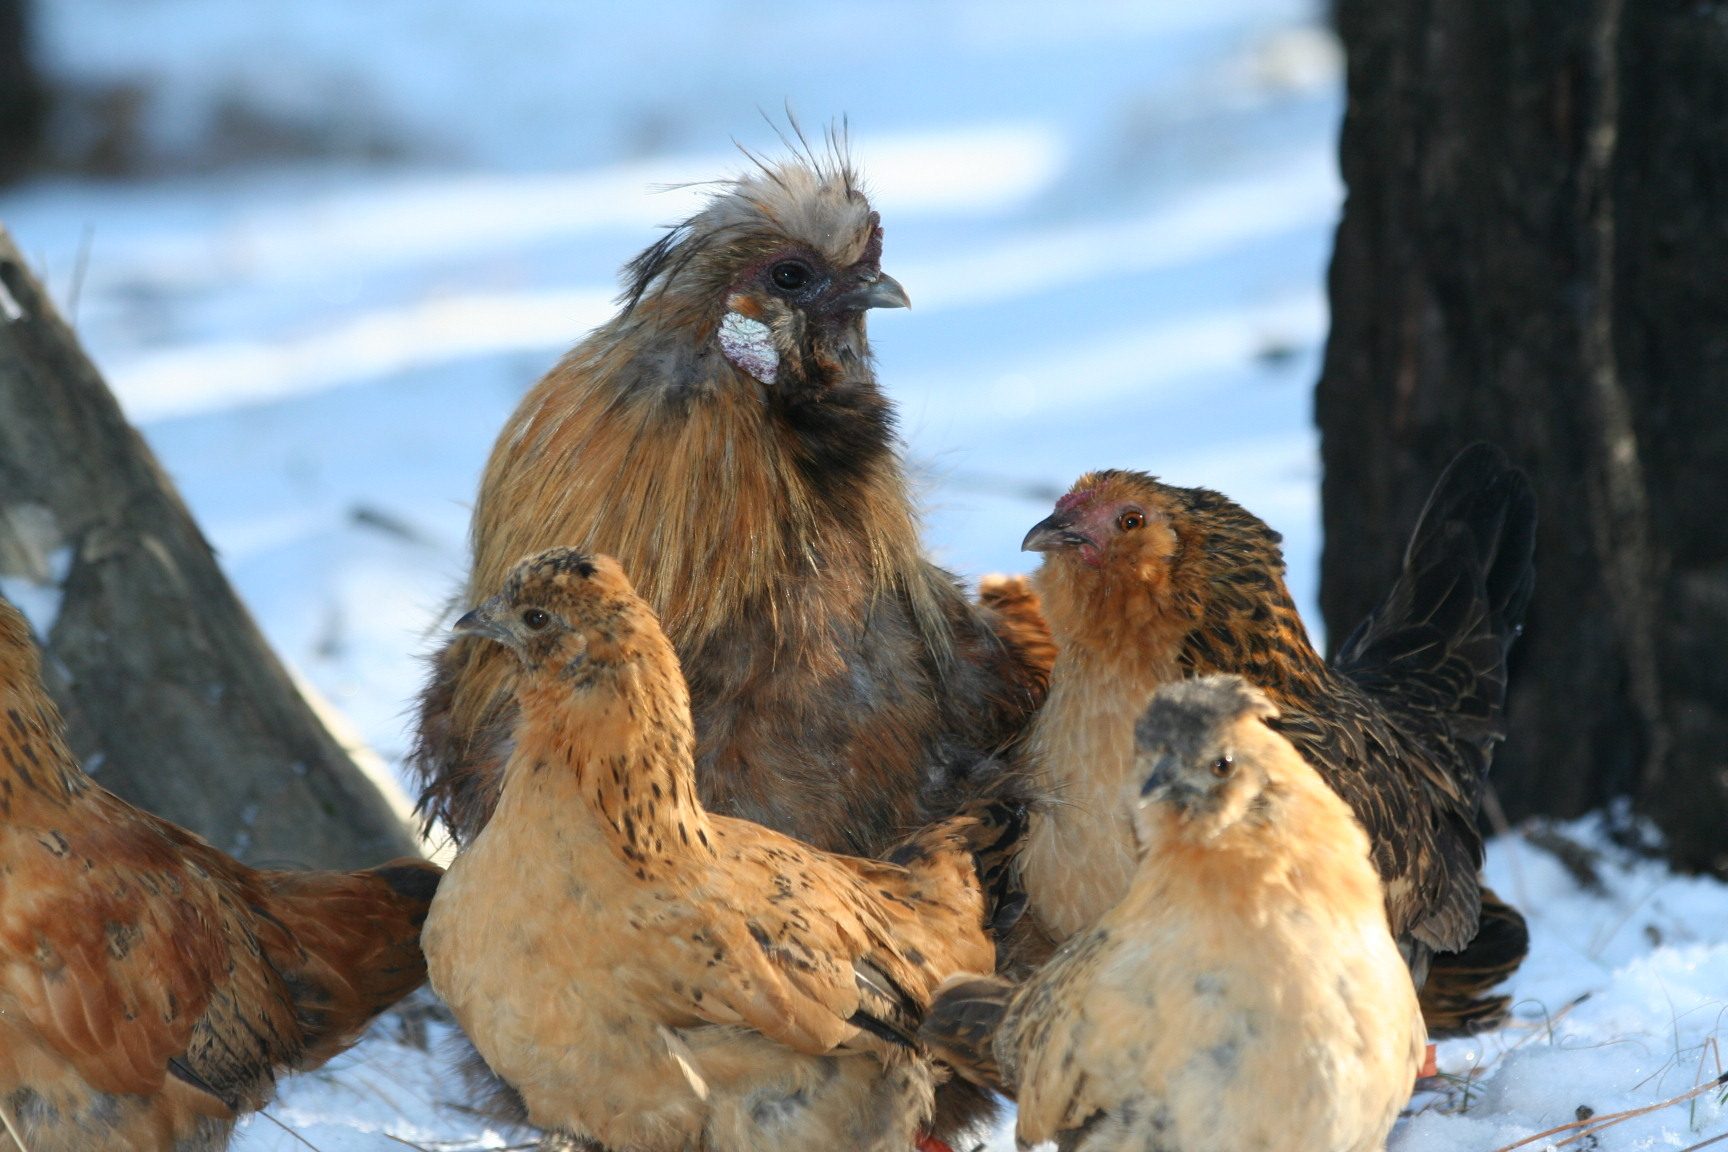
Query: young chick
{"type": "Point", "coordinates": [152, 988]}
{"type": "Point", "coordinates": [1246, 993]}
{"type": "Point", "coordinates": [1145, 583]}
{"type": "Point", "coordinates": [652, 976]}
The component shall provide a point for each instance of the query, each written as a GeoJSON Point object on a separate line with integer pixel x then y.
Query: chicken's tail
{"type": "Point", "coordinates": [1455, 997]}
{"type": "Point", "coordinates": [993, 830]}
{"type": "Point", "coordinates": [960, 1028]}
{"type": "Point", "coordinates": [1439, 640]}
{"type": "Point", "coordinates": [352, 947]}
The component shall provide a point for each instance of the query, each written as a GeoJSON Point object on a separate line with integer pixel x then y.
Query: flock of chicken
{"type": "Point", "coordinates": [770, 837]}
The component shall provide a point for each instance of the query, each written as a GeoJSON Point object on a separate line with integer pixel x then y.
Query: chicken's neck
{"type": "Point", "coordinates": [1250, 627]}
{"type": "Point", "coordinates": [715, 504]}
{"type": "Point", "coordinates": [1080, 853]}
{"type": "Point", "coordinates": [619, 752]}
{"type": "Point", "coordinates": [1086, 727]}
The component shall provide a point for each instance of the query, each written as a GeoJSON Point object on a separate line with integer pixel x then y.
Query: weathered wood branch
{"type": "Point", "coordinates": [173, 698]}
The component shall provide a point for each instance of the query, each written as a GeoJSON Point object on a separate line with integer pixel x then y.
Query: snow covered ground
{"type": "Point", "coordinates": [1112, 218]}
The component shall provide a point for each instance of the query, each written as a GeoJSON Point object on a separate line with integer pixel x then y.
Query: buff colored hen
{"type": "Point", "coordinates": [649, 975]}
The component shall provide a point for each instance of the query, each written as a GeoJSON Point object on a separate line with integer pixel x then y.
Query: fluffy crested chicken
{"type": "Point", "coordinates": [1145, 583]}
{"type": "Point", "coordinates": [152, 988]}
{"type": "Point", "coordinates": [1245, 994]}
{"type": "Point", "coordinates": [724, 437]}
{"type": "Point", "coordinates": [649, 975]}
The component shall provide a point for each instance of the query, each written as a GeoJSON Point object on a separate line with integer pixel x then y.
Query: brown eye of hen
{"type": "Point", "coordinates": [535, 619]}
{"type": "Point", "coordinates": [1131, 520]}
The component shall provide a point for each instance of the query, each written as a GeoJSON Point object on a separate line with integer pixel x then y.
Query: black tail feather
{"type": "Point", "coordinates": [960, 1028]}
{"type": "Point", "coordinates": [1494, 502]}
{"type": "Point", "coordinates": [994, 830]}
{"type": "Point", "coordinates": [1455, 999]}
{"type": "Point", "coordinates": [1440, 638]}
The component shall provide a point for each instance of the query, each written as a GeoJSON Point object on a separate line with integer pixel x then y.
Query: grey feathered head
{"type": "Point", "coordinates": [1184, 745]}
{"type": "Point", "coordinates": [1184, 717]}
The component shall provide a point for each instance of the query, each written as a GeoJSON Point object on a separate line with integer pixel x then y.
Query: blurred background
{"type": "Point", "coordinates": [319, 249]}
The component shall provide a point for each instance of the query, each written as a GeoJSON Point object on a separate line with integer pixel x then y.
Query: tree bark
{"type": "Point", "coordinates": [1532, 253]}
{"type": "Point", "coordinates": [172, 698]}
{"type": "Point", "coordinates": [23, 100]}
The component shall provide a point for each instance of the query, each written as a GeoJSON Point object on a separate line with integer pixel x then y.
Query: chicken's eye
{"type": "Point", "coordinates": [790, 275]}
{"type": "Point", "coordinates": [1131, 520]}
{"type": "Point", "coordinates": [535, 619]}
{"type": "Point", "coordinates": [1223, 766]}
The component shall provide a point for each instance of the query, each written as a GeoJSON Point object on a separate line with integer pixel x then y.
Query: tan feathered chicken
{"type": "Point", "coordinates": [1146, 583]}
{"type": "Point", "coordinates": [1244, 995]}
{"type": "Point", "coordinates": [652, 976]}
{"type": "Point", "coordinates": [152, 988]}
{"type": "Point", "coordinates": [724, 437]}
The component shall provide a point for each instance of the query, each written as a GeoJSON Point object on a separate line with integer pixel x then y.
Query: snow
{"type": "Point", "coordinates": [1112, 218]}
{"type": "Point", "coordinates": [37, 593]}
{"type": "Point", "coordinates": [1622, 1003]}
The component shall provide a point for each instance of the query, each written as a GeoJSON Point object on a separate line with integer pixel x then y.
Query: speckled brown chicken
{"type": "Point", "coordinates": [650, 975]}
{"type": "Point", "coordinates": [151, 988]}
{"type": "Point", "coordinates": [1245, 994]}
{"type": "Point", "coordinates": [1145, 583]}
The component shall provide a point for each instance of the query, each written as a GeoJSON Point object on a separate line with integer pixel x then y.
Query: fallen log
{"type": "Point", "coordinates": [172, 697]}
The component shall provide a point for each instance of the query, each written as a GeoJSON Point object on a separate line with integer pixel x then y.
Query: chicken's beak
{"type": "Point", "coordinates": [481, 623]}
{"type": "Point", "coordinates": [1162, 775]}
{"type": "Point", "coordinates": [882, 291]}
{"type": "Point", "coordinates": [1053, 533]}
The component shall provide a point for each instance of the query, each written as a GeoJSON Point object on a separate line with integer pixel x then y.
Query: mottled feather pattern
{"type": "Point", "coordinates": [151, 988]}
{"type": "Point", "coordinates": [709, 961]}
{"type": "Point", "coordinates": [1402, 724]}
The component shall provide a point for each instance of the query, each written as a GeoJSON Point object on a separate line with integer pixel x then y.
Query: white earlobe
{"type": "Point", "coordinates": [749, 345]}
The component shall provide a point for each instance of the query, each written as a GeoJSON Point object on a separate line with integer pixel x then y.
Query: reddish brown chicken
{"type": "Point", "coordinates": [1145, 583]}
{"type": "Point", "coordinates": [724, 437]}
{"type": "Point", "coordinates": [663, 979]}
{"type": "Point", "coordinates": [152, 988]}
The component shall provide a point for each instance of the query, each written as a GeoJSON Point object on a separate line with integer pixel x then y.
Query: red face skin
{"type": "Point", "coordinates": [1084, 524]}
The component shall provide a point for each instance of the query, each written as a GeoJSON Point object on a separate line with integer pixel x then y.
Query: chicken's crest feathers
{"type": "Point", "coordinates": [1186, 714]}
{"type": "Point", "coordinates": [812, 201]}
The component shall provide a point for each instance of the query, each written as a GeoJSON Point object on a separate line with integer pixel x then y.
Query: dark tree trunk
{"type": "Point", "coordinates": [1535, 252]}
{"type": "Point", "coordinates": [171, 695]}
{"type": "Point", "coordinates": [23, 102]}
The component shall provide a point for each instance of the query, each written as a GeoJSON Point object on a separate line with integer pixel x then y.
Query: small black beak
{"type": "Point", "coordinates": [1054, 532]}
{"type": "Point", "coordinates": [883, 291]}
{"type": "Point", "coordinates": [1163, 774]}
